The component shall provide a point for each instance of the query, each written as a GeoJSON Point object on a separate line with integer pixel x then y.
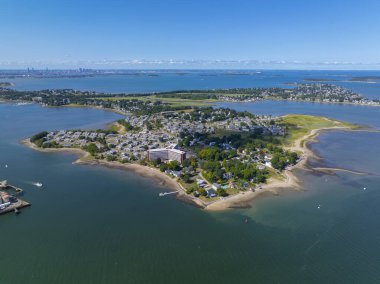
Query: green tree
{"type": "Point", "coordinates": [174, 166]}
{"type": "Point", "coordinates": [202, 191]}
{"type": "Point", "coordinates": [38, 136]}
{"type": "Point", "coordinates": [91, 148]}
{"type": "Point", "coordinates": [221, 192]}
{"type": "Point", "coordinates": [163, 167]}
{"type": "Point", "coordinates": [186, 178]}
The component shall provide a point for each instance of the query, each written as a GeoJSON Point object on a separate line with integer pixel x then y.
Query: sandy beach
{"type": "Point", "coordinates": [79, 152]}
{"type": "Point", "coordinates": [84, 158]}
{"type": "Point", "coordinates": [275, 186]}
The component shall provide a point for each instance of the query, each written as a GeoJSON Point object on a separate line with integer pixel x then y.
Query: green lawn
{"type": "Point", "coordinates": [171, 101]}
{"type": "Point", "coordinates": [301, 125]}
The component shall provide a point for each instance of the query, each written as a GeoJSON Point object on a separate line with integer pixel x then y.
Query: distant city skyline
{"type": "Point", "coordinates": [182, 34]}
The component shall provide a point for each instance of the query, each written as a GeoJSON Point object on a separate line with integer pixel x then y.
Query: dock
{"type": "Point", "coordinates": [10, 202]}
{"type": "Point", "coordinates": [14, 207]}
{"type": "Point", "coordinates": [168, 193]}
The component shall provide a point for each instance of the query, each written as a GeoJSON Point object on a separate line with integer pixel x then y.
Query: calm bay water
{"type": "Point", "coordinates": [97, 225]}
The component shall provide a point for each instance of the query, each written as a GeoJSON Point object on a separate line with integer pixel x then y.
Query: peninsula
{"type": "Point", "coordinates": [186, 99]}
{"type": "Point", "coordinates": [6, 84]}
{"type": "Point", "coordinates": [215, 157]}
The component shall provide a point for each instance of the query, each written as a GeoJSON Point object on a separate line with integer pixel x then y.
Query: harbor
{"type": "Point", "coordinates": [9, 201]}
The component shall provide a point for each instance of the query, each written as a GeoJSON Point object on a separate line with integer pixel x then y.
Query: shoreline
{"type": "Point", "coordinates": [300, 101]}
{"type": "Point", "coordinates": [274, 186]}
{"type": "Point", "coordinates": [84, 158]}
{"type": "Point", "coordinates": [210, 103]}
{"type": "Point", "coordinates": [240, 200]}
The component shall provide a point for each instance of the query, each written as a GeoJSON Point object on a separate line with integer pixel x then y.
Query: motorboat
{"type": "Point", "coordinates": [38, 184]}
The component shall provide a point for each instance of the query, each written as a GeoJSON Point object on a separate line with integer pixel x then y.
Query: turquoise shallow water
{"type": "Point", "coordinates": [97, 225]}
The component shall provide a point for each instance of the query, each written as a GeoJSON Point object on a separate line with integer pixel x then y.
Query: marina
{"type": "Point", "coordinates": [9, 202]}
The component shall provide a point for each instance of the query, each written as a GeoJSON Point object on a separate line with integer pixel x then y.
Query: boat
{"type": "Point", "coordinates": [38, 184]}
{"type": "Point", "coordinates": [23, 103]}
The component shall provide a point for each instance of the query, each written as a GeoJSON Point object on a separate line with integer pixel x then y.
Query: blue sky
{"type": "Point", "coordinates": [190, 33]}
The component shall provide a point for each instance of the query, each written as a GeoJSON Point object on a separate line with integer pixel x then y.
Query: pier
{"type": "Point", "coordinates": [14, 207]}
{"type": "Point", "coordinates": [9, 202]}
{"type": "Point", "coordinates": [168, 193]}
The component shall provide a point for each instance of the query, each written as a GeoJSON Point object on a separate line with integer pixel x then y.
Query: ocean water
{"type": "Point", "coordinates": [143, 81]}
{"type": "Point", "coordinates": [96, 225]}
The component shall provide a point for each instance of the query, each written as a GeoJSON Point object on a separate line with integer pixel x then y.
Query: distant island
{"type": "Point", "coordinates": [6, 84]}
{"type": "Point", "coordinates": [320, 80]}
{"type": "Point", "coordinates": [365, 79]}
{"type": "Point", "coordinates": [216, 158]}
{"type": "Point", "coordinates": [74, 73]}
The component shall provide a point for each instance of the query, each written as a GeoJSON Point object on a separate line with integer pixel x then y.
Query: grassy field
{"type": "Point", "coordinates": [301, 125]}
{"type": "Point", "coordinates": [275, 174]}
{"type": "Point", "coordinates": [178, 101]}
{"type": "Point", "coordinates": [118, 128]}
{"type": "Point", "coordinates": [171, 101]}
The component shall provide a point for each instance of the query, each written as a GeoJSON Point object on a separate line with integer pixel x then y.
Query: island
{"type": "Point", "coordinates": [6, 84]}
{"type": "Point", "coordinates": [365, 79]}
{"type": "Point", "coordinates": [217, 158]}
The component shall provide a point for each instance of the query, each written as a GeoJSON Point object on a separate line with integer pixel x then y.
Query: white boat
{"type": "Point", "coordinates": [38, 184]}
{"type": "Point", "coordinates": [4, 205]}
{"type": "Point", "coordinates": [22, 104]}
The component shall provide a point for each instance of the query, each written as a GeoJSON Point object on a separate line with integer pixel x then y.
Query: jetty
{"type": "Point", "coordinates": [10, 202]}
{"type": "Point", "coordinates": [168, 193]}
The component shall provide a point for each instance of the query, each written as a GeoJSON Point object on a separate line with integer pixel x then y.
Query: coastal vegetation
{"type": "Point", "coordinates": [186, 99]}
{"type": "Point", "coordinates": [297, 126]}
{"type": "Point", "coordinates": [39, 138]}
